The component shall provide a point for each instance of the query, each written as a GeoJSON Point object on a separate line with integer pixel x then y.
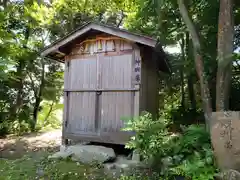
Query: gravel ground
{"type": "Point", "coordinates": [17, 146]}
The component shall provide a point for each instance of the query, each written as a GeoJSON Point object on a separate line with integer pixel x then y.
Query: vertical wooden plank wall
{"type": "Point", "coordinates": [152, 85]}
{"type": "Point", "coordinates": [82, 104]}
{"type": "Point", "coordinates": [113, 75]}
{"type": "Point", "coordinates": [149, 84]}
{"type": "Point", "coordinates": [116, 73]}
{"type": "Point", "coordinates": [153, 90]}
{"type": "Point", "coordinates": [65, 102]}
{"type": "Point", "coordinates": [137, 94]}
{"type": "Point", "coordinates": [143, 87]}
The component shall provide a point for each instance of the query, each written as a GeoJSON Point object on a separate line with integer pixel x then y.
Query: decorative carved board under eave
{"type": "Point", "coordinates": [109, 46]}
{"type": "Point", "coordinates": [101, 45]}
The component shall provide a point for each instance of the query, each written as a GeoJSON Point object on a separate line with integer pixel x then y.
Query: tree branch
{"type": "Point", "coordinates": [189, 23]}
{"type": "Point", "coordinates": [32, 84]}
{"type": "Point", "coordinates": [205, 93]}
{"type": "Point", "coordinates": [225, 53]}
{"type": "Point", "coordinates": [122, 17]}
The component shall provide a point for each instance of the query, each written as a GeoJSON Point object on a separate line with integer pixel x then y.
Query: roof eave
{"type": "Point", "coordinates": [102, 28]}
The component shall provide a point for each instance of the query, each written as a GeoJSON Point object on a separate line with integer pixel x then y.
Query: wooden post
{"type": "Point", "coordinates": [98, 98]}
{"type": "Point", "coordinates": [136, 101]}
{"type": "Point", "coordinates": [66, 104]}
{"type": "Point", "coordinates": [137, 61]}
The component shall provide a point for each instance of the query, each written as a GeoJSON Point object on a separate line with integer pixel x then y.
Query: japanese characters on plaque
{"type": "Point", "coordinates": [94, 46]}
{"type": "Point", "coordinates": [101, 45]}
{"type": "Point", "coordinates": [137, 70]}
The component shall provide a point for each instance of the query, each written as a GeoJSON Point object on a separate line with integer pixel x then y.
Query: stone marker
{"type": "Point", "coordinates": [136, 156]}
{"type": "Point", "coordinates": [122, 165]}
{"type": "Point", "coordinates": [228, 175]}
{"type": "Point", "coordinates": [225, 135]}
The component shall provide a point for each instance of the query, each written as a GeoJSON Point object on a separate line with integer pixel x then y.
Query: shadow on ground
{"type": "Point", "coordinates": [31, 144]}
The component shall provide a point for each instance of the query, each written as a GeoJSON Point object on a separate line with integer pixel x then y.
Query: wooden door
{"type": "Point", "coordinates": [82, 102]}
{"type": "Point", "coordinates": [116, 100]}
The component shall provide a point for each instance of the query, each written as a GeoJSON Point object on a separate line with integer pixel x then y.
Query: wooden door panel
{"type": "Point", "coordinates": [114, 107]}
{"type": "Point", "coordinates": [82, 112]}
{"type": "Point", "coordinates": [82, 105]}
{"type": "Point", "coordinates": [83, 73]}
{"type": "Point", "coordinates": [116, 71]}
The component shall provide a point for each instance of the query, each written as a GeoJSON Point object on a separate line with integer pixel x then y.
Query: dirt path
{"type": "Point", "coordinates": [17, 146]}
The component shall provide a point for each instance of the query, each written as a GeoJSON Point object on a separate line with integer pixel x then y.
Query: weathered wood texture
{"type": "Point", "coordinates": [115, 73]}
{"type": "Point", "coordinates": [153, 87]}
{"type": "Point", "coordinates": [114, 107]}
{"type": "Point", "coordinates": [149, 100]}
{"type": "Point", "coordinates": [65, 101]}
{"type": "Point", "coordinates": [109, 76]}
{"type": "Point", "coordinates": [101, 89]}
{"type": "Point", "coordinates": [83, 73]}
{"type": "Point", "coordinates": [81, 116]}
{"type": "Point", "coordinates": [81, 112]}
{"type": "Point", "coordinates": [101, 28]}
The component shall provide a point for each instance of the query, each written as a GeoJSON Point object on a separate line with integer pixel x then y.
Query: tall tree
{"type": "Point", "coordinates": [225, 54]}
{"type": "Point", "coordinates": [205, 92]}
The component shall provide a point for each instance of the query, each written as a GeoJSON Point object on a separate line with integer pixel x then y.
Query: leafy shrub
{"type": "Point", "coordinates": [152, 138]}
{"type": "Point", "coordinates": [20, 127]}
{"type": "Point", "coordinates": [188, 154]}
{"type": "Point", "coordinates": [50, 116]}
{"type": "Point", "coordinates": [16, 127]}
{"type": "Point", "coordinates": [4, 128]}
{"type": "Point", "coordinates": [182, 116]}
{"type": "Point", "coordinates": [194, 154]}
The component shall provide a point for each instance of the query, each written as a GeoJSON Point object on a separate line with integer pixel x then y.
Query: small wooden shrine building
{"type": "Point", "coordinates": [110, 74]}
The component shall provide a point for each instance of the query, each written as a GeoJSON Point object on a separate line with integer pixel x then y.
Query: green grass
{"type": "Point", "coordinates": [31, 168]}
{"type": "Point", "coordinates": [38, 166]}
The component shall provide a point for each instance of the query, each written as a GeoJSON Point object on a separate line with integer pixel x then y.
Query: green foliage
{"type": "Point", "coordinates": [43, 168]}
{"type": "Point", "coordinates": [235, 88]}
{"type": "Point", "coordinates": [152, 137]}
{"type": "Point", "coordinates": [141, 175]}
{"type": "Point", "coordinates": [40, 167]}
{"type": "Point", "coordinates": [25, 78]}
{"type": "Point", "coordinates": [188, 154]}
{"type": "Point", "coordinates": [182, 116]}
{"type": "Point", "coordinates": [50, 116]}
{"type": "Point", "coordinates": [4, 128]}
{"type": "Point", "coordinates": [27, 26]}
{"type": "Point", "coordinates": [199, 166]}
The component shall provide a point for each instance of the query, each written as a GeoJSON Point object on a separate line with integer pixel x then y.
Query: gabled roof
{"type": "Point", "coordinates": [54, 51]}
{"type": "Point", "coordinates": [145, 40]}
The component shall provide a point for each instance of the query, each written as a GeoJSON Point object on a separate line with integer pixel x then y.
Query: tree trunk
{"type": "Point", "coordinates": [191, 74]}
{"type": "Point", "coordinates": [121, 20]}
{"type": "Point", "coordinates": [205, 94]}
{"type": "Point", "coordinates": [191, 93]}
{"type": "Point", "coordinates": [19, 101]}
{"type": "Point", "coordinates": [49, 112]}
{"type": "Point", "coordinates": [182, 89]}
{"type": "Point", "coordinates": [225, 53]}
{"type": "Point", "coordinates": [38, 98]}
{"type": "Point", "coordinates": [20, 78]}
{"type": "Point", "coordinates": [182, 45]}
{"type": "Point", "coordinates": [4, 3]}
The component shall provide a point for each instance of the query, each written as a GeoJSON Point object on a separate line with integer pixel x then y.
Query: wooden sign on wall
{"type": "Point", "coordinates": [137, 70]}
